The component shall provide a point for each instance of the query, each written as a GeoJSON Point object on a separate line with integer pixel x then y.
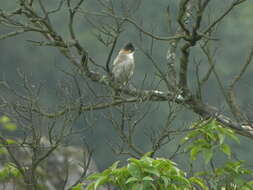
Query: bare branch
{"type": "Point", "coordinates": [219, 19]}
{"type": "Point", "coordinates": [231, 95]}
{"type": "Point", "coordinates": [110, 54]}
{"type": "Point", "coordinates": [11, 34]}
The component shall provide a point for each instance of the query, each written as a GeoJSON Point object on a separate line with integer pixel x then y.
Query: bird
{"type": "Point", "coordinates": [123, 65]}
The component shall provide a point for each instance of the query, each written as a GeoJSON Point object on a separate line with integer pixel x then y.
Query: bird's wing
{"type": "Point", "coordinates": [117, 60]}
{"type": "Point", "coordinates": [123, 70]}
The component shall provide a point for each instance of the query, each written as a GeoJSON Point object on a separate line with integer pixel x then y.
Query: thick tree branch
{"type": "Point", "coordinates": [183, 73]}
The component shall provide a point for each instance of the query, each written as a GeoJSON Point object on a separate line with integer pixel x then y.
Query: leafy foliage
{"type": "Point", "coordinates": [8, 172]}
{"type": "Point", "coordinates": [7, 124]}
{"type": "Point", "coordinates": [146, 173]}
{"type": "Point", "coordinates": [207, 137]}
{"type": "Point", "coordinates": [232, 176]}
{"type": "Point", "coordinates": [79, 186]}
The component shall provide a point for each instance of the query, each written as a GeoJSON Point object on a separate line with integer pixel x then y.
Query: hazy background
{"type": "Point", "coordinates": [235, 35]}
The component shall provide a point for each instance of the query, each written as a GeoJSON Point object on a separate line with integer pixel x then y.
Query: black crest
{"type": "Point", "coordinates": [130, 47]}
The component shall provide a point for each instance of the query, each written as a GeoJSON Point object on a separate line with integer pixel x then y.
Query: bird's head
{"type": "Point", "coordinates": [128, 49]}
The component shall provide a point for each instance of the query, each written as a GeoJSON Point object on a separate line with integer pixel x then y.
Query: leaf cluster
{"type": "Point", "coordinates": [145, 173]}
{"type": "Point", "coordinates": [9, 172]}
{"type": "Point", "coordinates": [207, 137]}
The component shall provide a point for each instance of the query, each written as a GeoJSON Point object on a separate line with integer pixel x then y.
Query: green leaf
{"type": "Point", "coordinates": [131, 179]}
{"type": "Point", "coordinates": [133, 160]}
{"type": "Point", "coordinates": [198, 182]}
{"type": "Point", "coordinates": [10, 141]}
{"type": "Point", "coordinates": [209, 134]}
{"type": "Point", "coordinates": [4, 119]}
{"type": "Point", "coordinates": [78, 187]}
{"type": "Point", "coordinates": [165, 181]}
{"type": "Point", "coordinates": [194, 152]}
{"type": "Point", "coordinates": [152, 171]}
{"type": "Point", "coordinates": [250, 182]}
{"type": "Point", "coordinates": [120, 172]}
{"type": "Point", "coordinates": [146, 161]}
{"type": "Point", "coordinates": [153, 186]}
{"type": "Point", "coordinates": [100, 181]}
{"type": "Point", "coordinates": [221, 138]}
{"type": "Point", "coordinates": [183, 140]}
{"type": "Point", "coordinates": [3, 175]}
{"type": "Point", "coordinates": [208, 154]}
{"type": "Point", "coordinates": [9, 171]}
{"type": "Point", "coordinates": [235, 138]}
{"type": "Point", "coordinates": [226, 149]}
{"type": "Point", "coordinates": [114, 165]}
{"type": "Point", "coordinates": [229, 133]}
{"type": "Point", "coordinates": [134, 170]}
{"type": "Point", "coordinates": [3, 150]}
{"type": "Point", "coordinates": [148, 154]}
{"type": "Point", "coordinates": [90, 186]}
{"type": "Point", "coordinates": [239, 181]}
{"type": "Point", "coordinates": [212, 124]}
{"type": "Point", "coordinates": [173, 187]}
{"type": "Point", "coordinates": [137, 186]}
{"type": "Point", "coordinates": [94, 176]}
{"type": "Point", "coordinates": [180, 179]}
{"type": "Point", "coordinates": [10, 126]}
{"type": "Point", "coordinates": [147, 178]}
{"type": "Point", "coordinates": [191, 135]}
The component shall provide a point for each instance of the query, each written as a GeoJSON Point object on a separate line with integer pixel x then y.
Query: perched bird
{"type": "Point", "coordinates": [123, 65]}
